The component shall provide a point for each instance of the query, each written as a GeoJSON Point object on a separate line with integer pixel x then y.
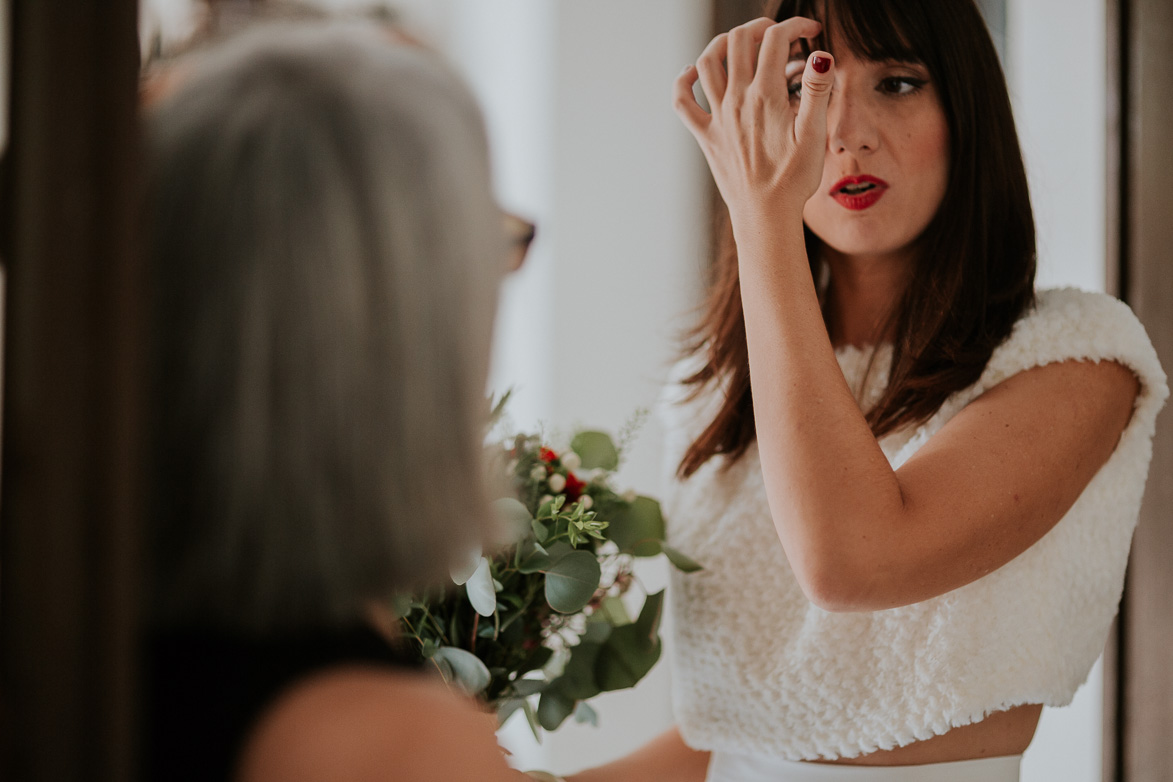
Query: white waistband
{"type": "Point", "coordinates": [732, 767]}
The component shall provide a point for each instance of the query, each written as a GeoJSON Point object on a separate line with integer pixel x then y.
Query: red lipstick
{"type": "Point", "coordinates": [858, 192]}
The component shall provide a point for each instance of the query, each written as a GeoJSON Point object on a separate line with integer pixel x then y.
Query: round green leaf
{"type": "Point", "coordinates": [631, 650]}
{"type": "Point", "coordinates": [625, 658]}
{"type": "Point", "coordinates": [462, 570]}
{"type": "Point", "coordinates": [553, 709]}
{"type": "Point", "coordinates": [682, 561]}
{"type": "Point", "coordinates": [596, 450]}
{"type": "Point", "coordinates": [639, 528]}
{"type": "Point", "coordinates": [577, 681]}
{"type": "Point", "coordinates": [480, 589]}
{"type": "Point", "coordinates": [467, 670]}
{"type": "Point", "coordinates": [571, 581]}
{"type": "Point", "coordinates": [514, 518]}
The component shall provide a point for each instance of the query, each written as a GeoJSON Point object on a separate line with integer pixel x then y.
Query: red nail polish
{"type": "Point", "coordinates": [821, 64]}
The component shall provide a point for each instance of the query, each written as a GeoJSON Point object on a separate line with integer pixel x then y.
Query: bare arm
{"type": "Point", "coordinates": [664, 759]}
{"type": "Point", "coordinates": [858, 534]}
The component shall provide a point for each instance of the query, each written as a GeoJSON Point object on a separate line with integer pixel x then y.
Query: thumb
{"type": "Point", "coordinates": [810, 126]}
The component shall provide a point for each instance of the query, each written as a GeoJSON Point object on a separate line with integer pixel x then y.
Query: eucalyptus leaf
{"type": "Point", "coordinates": [526, 687]}
{"type": "Point", "coordinates": [532, 718]}
{"type": "Point", "coordinates": [682, 561]}
{"type": "Point", "coordinates": [514, 518]}
{"type": "Point", "coordinates": [480, 590]}
{"type": "Point", "coordinates": [596, 449]}
{"type": "Point", "coordinates": [467, 670]}
{"type": "Point", "coordinates": [625, 659]}
{"type": "Point", "coordinates": [571, 581]}
{"type": "Point", "coordinates": [577, 681]}
{"type": "Point", "coordinates": [639, 528]}
{"type": "Point", "coordinates": [559, 549]}
{"type": "Point", "coordinates": [631, 650]}
{"type": "Point", "coordinates": [462, 571]}
{"type": "Point", "coordinates": [553, 709]}
{"type": "Point", "coordinates": [597, 632]}
{"type": "Point", "coordinates": [613, 611]}
{"type": "Point", "coordinates": [650, 615]}
{"type": "Point", "coordinates": [534, 559]}
{"type": "Point", "coordinates": [507, 709]}
{"type": "Point", "coordinates": [540, 531]}
{"type": "Point", "coordinates": [584, 714]}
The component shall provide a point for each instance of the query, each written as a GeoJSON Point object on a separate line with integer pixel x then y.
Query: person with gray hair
{"type": "Point", "coordinates": [325, 255]}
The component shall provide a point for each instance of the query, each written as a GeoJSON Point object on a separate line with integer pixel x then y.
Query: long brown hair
{"type": "Point", "coordinates": [974, 269]}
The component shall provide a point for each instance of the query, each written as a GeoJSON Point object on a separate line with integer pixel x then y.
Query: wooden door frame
{"type": "Point", "coordinates": [73, 311]}
{"type": "Point", "coordinates": [1138, 680]}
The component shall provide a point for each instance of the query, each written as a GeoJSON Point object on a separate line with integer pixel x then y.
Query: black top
{"type": "Point", "coordinates": [207, 690]}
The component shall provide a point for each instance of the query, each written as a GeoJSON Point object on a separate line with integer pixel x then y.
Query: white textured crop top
{"type": "Point", "coordinates": [759, 669]}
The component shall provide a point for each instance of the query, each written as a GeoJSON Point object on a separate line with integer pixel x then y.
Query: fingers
{"type": "Point", "coordinates": [684, 102]}
{"type": "Point", "coordinates": [776, 43]}
{"type": "Point", "coordinates": [744, 41]}
{"type": "Point", "coordinates": [810, 126]}
{"type": "Point", "coordinates": [711, 67]}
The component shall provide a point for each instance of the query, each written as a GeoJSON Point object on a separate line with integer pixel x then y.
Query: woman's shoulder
{"type": "Point", "coordinates": [358, 723]}
{"type": "Point", "coordinates": [1068, 324]}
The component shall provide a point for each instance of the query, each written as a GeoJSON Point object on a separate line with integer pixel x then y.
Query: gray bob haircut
{"type": "Point", "coordinates": [326, 254]}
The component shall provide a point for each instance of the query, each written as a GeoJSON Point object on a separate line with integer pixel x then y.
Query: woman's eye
{"type": "Point", "coordinates": [794, 89]}
{"type": "Point", "coordinates": [901, 85]}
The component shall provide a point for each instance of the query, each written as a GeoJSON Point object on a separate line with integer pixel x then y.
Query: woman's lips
{"type": "Point", "coordinates": [861, 199]}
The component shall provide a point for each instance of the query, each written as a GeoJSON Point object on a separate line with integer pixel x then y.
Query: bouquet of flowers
{"type": "Point", "coordinates": [545, 619]}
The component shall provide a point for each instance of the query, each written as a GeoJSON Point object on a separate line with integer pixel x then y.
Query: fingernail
{"type": "Point", "coordinates": [821, 64]}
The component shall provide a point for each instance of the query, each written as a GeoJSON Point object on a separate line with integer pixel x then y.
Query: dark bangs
{"type": "Point", "coordinates": [871, 30]}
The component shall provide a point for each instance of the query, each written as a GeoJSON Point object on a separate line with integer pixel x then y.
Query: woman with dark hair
{"type": "Point", "coordinates": [912, 478]}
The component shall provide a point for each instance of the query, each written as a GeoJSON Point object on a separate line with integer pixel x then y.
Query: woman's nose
{"type": "Point", "coordinates": [851, 127]}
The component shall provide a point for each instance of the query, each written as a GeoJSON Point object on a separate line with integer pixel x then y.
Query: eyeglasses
{"type": "Point", "coordinates": [520, 235]}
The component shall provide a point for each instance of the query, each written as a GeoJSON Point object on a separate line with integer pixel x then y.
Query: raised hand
{"type": "Point", "coordinates": [764, 146]}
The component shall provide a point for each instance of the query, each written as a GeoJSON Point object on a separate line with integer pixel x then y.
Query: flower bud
{"type": "Point", "coordinates": [571, 460]}
{"type": "Point", "coordinates": [557, 482]}
{"type": "Point", "coordinates": [537, 473]}
{"type": "Point", "coordinates": [629, 495]}
{"type": "Point", "coordinates": [586, 501]}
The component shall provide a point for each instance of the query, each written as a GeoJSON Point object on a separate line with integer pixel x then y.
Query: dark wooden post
{"type": "Point", "coordinates": [68, 520]}
{"type": "Point", "coordinates": [1138, 703]}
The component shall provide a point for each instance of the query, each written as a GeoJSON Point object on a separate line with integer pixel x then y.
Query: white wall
{"type": "Point", "coordinates": [577, 97]}
{"type": "Point", "coordinates": [1056, 56]}
{"type": "Point", "coordinates": [1058, 78]}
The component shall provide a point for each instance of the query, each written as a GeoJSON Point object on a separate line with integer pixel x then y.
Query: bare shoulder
{"type": "Point", "coordinates": [1096, 397]}
{"type": "Point", "coordinates": [369, 725]}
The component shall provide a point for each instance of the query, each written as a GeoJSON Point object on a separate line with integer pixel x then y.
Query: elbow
{"type": "Point", "coordinates": [837, 587]}
{"type": "Point", "coordinates": [830, 595]}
